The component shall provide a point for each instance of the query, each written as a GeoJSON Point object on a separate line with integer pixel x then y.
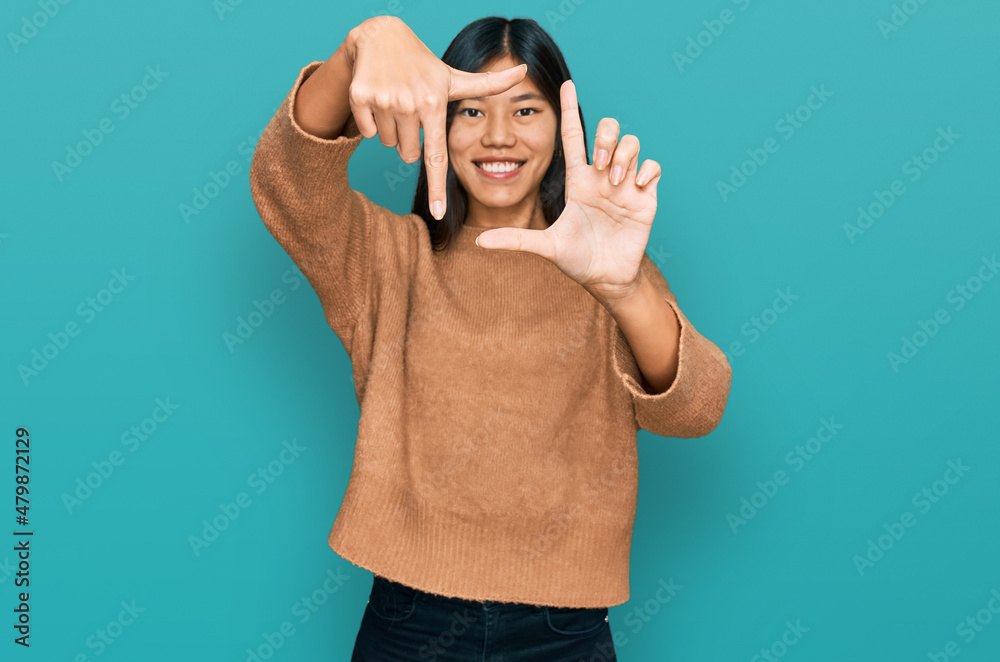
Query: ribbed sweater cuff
{"type": "Point", "coordinates": [695, 401]}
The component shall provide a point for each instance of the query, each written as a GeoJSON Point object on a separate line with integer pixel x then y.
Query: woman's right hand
{"type": "Point", "coordinates": [398, 86]}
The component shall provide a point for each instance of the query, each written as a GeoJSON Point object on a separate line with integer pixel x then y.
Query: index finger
{"type": "Point", "coordinates": [572, 131]}
{"type": "Point", "coordinates": [436, 162]}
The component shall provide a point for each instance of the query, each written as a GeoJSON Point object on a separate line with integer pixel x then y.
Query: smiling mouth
{"type": "Point", "coordinates": [499, 167]}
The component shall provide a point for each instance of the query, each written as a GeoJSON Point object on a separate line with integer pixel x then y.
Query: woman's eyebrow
{"type": "Point", "coordinates": [517, 99]}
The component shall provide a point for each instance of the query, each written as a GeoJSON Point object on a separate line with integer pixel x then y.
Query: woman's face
{"type": "Point", "coordinates": [519, 126]}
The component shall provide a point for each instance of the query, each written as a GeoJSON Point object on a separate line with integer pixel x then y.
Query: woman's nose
{"type": "Point", "coordinates": [499, 131]}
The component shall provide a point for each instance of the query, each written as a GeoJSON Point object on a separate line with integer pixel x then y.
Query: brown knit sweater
{"type": "Point", "coordinates": [499, 401]}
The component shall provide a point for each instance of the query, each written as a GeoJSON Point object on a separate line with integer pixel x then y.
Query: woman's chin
{"type": "Point", "coordinates": [492, 198]}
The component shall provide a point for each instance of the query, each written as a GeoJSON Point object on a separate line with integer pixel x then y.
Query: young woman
{"type": "Point", "coordinates": [508, 337]}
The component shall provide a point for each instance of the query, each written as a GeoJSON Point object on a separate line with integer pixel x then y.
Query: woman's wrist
{"type": "Point", "coordinates": [367, 29]}
{"type": "Point", "coordinates": [348, 47]}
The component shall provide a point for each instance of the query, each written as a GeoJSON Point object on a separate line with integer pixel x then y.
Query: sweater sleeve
{"type": "Point", "coordinates": [695, 401]}
{"type": "Point", "coordinates": [300, 188]}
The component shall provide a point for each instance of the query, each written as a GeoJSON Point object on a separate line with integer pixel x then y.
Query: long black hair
{"type": "Point", "coordinates": [477, 45]}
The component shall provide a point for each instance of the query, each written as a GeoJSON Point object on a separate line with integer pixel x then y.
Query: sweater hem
{"type": "Point", "coordinates": [340, 543]}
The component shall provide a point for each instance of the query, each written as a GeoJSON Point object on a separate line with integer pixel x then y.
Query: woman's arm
{"type": "Point", "coordinates": [300, 187]}
{"type": "Point", "coordinates": [323, 107]}
{"type": "Point", "coordinates": [382, 80]}
{"type": "Point", "coordinates": [678, 379]}
{"type": "Point", "coordinates": [653, 333]}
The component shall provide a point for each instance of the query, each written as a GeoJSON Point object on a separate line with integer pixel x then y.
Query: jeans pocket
{"type": "Point", "coordinates": [575, 621]}
{"type": "Point", "coordinates": [391, 600]}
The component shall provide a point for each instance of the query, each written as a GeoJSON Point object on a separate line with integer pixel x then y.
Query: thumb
{"type": "Point", "coordinates": [465, 84]}
{"type": "Point", "coordinates": [538, 242]}
{"type": "Point", "coordinates": [651, 185]}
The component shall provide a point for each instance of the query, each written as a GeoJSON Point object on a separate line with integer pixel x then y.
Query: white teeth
{"type": "Point", "coordinates": [500, 166]}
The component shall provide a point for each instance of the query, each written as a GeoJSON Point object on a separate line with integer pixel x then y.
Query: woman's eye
{"type": "Point", "coordinates": [476, 110]}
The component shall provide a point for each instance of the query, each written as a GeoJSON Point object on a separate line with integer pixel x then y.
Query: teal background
{"type": "Point", "coordinates": [824, 356]}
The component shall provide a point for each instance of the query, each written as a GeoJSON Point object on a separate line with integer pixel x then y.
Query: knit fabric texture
{"type": "Point", "coordinates": [499, 400]}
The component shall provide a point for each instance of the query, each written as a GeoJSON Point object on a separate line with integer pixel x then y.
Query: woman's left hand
{"type": "Point", "coordinates": [601, 235]}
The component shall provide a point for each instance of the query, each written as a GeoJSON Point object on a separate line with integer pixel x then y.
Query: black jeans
{"type": "Point", "coordinates": [403, 624]}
